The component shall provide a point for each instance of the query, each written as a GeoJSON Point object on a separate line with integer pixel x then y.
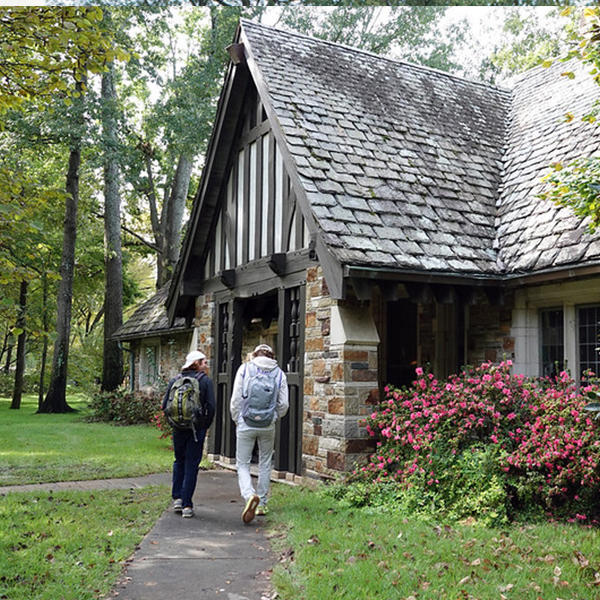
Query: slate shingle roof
{"type": "Point", "coordinates": [535, 234]}
{"type": "Point", "coordinates": [414, 169]}
{"type": "Point", "coordinates": [150, 319]}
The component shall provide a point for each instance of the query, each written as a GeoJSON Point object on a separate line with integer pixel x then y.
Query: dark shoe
{"type": "Point", "coordinates": [250, 509]}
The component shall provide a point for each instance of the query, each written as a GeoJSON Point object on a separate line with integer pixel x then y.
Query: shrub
{"type": "Point", "coordinates": [7, 383]}
{"type": "Point", "coordinates": [487, 443]}
{"type": "Point", "coordinates": [123, 407]}
{"type": "Point", "coordinates": [160, 422]}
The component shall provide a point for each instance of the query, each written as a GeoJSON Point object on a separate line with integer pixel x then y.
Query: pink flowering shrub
{"type": "Point", "coordinates": [488, 443]}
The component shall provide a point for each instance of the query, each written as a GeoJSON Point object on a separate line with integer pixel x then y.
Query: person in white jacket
{"type": "Point", "coordinates": [247, 434]}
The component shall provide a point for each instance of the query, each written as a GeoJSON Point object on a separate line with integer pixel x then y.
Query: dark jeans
{"type": "Point", "coordinates": [188, 454]}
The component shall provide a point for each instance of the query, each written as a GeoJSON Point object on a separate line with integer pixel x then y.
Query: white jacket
{"type": "Point", "coordinates": [235, 405]}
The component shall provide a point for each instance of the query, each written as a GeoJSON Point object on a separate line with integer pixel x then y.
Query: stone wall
{"type": "Point", "coordinates": [340, 377]}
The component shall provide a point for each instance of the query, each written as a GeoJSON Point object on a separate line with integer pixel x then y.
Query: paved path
{"type": "Point", "coordinates": [124, 483]}
{"type": "Point", "coordinates": [212, 555]}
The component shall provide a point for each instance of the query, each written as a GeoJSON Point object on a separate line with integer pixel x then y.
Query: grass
{"type": "Point", "coordinates": [45, 448]}
{"type": "Point", "coordinates": [328, 550]}
{"type": "Point", "coordinates": [70, 545]}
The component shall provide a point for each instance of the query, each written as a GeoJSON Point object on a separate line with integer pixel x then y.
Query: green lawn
{"type": "Point", "coordinates": [46, 448]}
{"type": "Point", "coordinates": [331, 551]}
{"type": "Point", "coordinates": [71, 545]}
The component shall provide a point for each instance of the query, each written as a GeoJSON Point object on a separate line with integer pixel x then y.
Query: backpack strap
{"type": "Point", "coordinates": [246, 382]}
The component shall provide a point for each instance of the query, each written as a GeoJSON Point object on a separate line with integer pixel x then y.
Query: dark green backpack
{"type": "Point", "coordinates": [186, 407]}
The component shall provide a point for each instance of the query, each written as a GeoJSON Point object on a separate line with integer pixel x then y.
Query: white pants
{"type": "Point", "coordinates": [243, 455]}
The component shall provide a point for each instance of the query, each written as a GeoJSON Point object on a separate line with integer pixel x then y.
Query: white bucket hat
{"type": "Point", "coordinates": [192, 357]}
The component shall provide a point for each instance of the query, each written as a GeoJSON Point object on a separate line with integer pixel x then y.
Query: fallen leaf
{"type": "Point", "coordinates": [313, 540]}
{"type": "Point", "coordinates": [476, 562]}
{"type": "Point", "coordinates": [506, 588]}
{"type": "Point", "coordinates": [464, 580]}
{"type": "Point", "coordinates": [580, 559]}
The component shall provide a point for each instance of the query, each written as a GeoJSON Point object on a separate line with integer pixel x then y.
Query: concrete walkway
{"type": "Point", "coordinates": [212, 555]}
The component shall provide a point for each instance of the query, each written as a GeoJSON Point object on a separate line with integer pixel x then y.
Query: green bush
{"type": "Point", "coordinates": [486, 444]}
{"type": "Point", "coordinates": [123, 407]}
{"type": "Point", "coordinates": [7, 383]}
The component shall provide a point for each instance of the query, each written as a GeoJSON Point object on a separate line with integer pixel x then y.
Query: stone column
{"type": "Point", "coordinates": [340, 376]}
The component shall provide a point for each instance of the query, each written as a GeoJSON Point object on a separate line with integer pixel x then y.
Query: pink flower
{"type": "Point", "coordinates": [419, 371]}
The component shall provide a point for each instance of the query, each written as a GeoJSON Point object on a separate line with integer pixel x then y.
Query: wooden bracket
{"type": "Point", "coordinates": [277, 263]}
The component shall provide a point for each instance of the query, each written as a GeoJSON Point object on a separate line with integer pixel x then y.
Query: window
{"type": "Point", "coordinates": [588, 319]}
{"type": "Point", "coordinates": [149, 365]}
{"type": "Point", "coordinates": [552, 338]}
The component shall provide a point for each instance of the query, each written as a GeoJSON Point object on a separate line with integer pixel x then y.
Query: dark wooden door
{"type": "Point", "coordinates": [227, 360]}
{"type": "Point", "coordinates": [288, 443]}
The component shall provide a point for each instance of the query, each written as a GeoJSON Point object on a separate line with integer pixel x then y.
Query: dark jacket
{"type": "Point", "coordinates": [206, 389]}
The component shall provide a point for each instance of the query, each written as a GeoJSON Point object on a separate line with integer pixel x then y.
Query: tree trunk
{"type": "Point", "coordinates": [20, 368]}
{"type": "Point", "coordinates": [56, 400]}
{"type": "Point", "coordinates": [11, 344]}
{"type": "Point", "coordinates": [112, 363]}
{"type": "Point", "coordinates": [173, 217]}
{"type": "Point", "coordinates": [45, 326]}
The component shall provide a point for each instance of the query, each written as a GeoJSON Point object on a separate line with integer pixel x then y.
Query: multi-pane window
{"type": "Point", "coordinates": [552, 341]}
{"type": "Point", "coordinates": [149, 365]}
{"type": "Point", "coordinates": [588, 319]}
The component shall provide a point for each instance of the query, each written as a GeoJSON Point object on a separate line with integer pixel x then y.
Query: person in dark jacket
{"type": "Point", "coordinates": [188, 451]}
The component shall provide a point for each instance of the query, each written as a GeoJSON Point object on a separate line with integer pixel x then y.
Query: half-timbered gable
{"type": "Point", "coordinates": [258, 217]}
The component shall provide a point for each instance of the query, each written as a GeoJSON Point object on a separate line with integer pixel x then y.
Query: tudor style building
{"type": "Point", "coordinates": [365, 216]}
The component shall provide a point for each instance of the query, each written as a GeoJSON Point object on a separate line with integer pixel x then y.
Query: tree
{"type": "Point", "coordinates": [411, 33]}
{"type": "Point", "coordinates": [176, 126]}
{"type": "Point", "coordinates": [20, 370]}
{"type": "Point", "coordinates": [41, 48]}
{"type": "Point", "coordinates": [529, 36]}
{"type": "Point", "coordinates": [112, 363]}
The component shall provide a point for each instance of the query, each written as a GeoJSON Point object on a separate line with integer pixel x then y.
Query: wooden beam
{"type": "Point", "coordinates": [277, 263]}
{"type": "Point", "coordinates": [227, 278]}
{"type": "Point", "coordinates": [495, 295]}
{"type": "Point", "coordinates": [362, 288]}
{"type": "Point", "coordinates": [236, 53]}
{"type": "Point", "coordinates": [444, 294]}
{"type": "Point", "coordinates": [420, 292]}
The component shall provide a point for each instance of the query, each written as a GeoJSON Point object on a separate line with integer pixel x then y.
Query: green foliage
{"type": "Point", "coordinates": [7, 382]}
{"type": "Point", "coordinates": [528, 38]}
{"type": "Point", "coordinates": [485, 444]}
{"type": "Point", "coordinates": [413, 33]}
{"type": "Point", "coordinates": [123, 407]}
{"type": "Point", "coordinates": [44, 48]}
{"type": "Point", "coordinates": [71, 544]}
{"type": "Point", "coordinates": [577, 184]}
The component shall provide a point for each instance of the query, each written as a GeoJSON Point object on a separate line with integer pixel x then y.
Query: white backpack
{"type": "Point", "coordinates": [260, 389]}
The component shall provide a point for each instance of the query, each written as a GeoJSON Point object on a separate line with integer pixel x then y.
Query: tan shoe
{"type": "Point", "coordinates": [262, 510]}
{"type": "Point", "coordinates": [250, 508]}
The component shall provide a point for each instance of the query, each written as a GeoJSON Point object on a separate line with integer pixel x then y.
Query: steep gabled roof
{"type": "Point", "coordinates": [532, 234]}
{"type": "Point", "coordinates": [401, 164]}
{"type": "Point", "coordinates": [150, 319]}
{"type": "Point", "coordinates": [403, 169]}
